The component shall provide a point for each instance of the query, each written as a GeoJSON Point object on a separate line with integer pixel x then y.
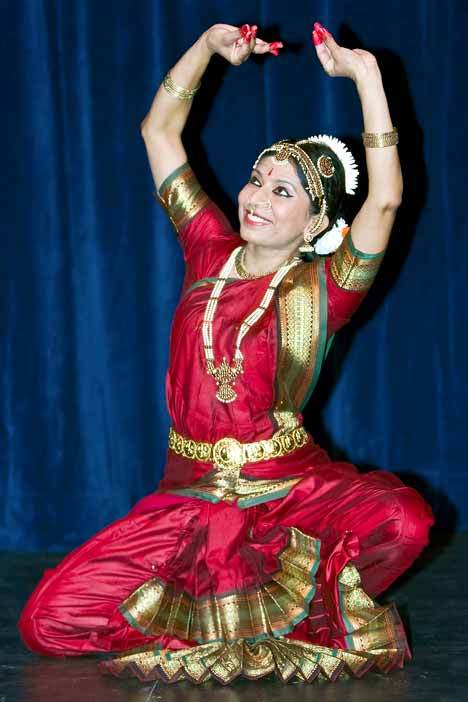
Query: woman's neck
{"type": "Point", "coordinates": [259, 259]}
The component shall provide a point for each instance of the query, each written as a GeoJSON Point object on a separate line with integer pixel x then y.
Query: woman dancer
{"type": "Point", "coordinates": [257, 553]}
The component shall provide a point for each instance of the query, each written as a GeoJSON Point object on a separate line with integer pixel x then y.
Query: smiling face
{"type": "Point", "coordinates": [279, 226]}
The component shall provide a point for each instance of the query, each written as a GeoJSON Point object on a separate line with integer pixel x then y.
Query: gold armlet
{"type": "Point", "coordinates": [376, 140]}
{"type": "Point", "coordinates": [177, 91]}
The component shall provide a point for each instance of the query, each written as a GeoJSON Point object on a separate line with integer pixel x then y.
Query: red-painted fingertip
{"type": "Point", "coordinates": [316, 38]}
{"type": "Point", "coordinates": [274, 47]}
{"type": "Point", "coordinates": [246, 32]}
{"type": "Point", "coordinates": [323, 30]}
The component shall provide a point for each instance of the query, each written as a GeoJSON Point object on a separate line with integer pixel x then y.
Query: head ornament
{"type": "Point", "coordinates": [284, 150]}
{"type": "Point", "coordinates": [343, 154]}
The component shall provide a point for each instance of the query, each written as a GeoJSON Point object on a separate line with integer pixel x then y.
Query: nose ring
{"type": "Point", "coordinates": [252, 208]}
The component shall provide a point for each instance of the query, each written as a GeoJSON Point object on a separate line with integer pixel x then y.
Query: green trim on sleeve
{"type": "Point", "coordinates": [172, 176]}
{"type": "Point", "coordinates": [362, 254]}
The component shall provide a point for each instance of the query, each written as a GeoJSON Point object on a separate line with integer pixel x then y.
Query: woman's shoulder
{"type": "Point", "coordinates": [199, 223]}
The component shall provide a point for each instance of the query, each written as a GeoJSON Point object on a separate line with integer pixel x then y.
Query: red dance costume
{"type": "Point", "coordinates": [271, 568]}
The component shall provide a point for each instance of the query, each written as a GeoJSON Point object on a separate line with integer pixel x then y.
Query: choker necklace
{"type": "Point", "coordinates": [242, 271]}
{"type": "Point", "coordinates": [225, 374]}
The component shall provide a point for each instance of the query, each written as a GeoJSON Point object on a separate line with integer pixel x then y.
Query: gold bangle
{"type": "Point", "coordinates": [375, 140]}
{"type": "Point", "coordinates": [177, 91]}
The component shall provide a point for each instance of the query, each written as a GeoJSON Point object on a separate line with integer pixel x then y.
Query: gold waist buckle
{"type": "Point", "coordinates": [230, 454]}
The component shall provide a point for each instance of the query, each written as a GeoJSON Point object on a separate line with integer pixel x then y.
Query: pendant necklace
{"type": "Point", "coordinates": [225, 374]}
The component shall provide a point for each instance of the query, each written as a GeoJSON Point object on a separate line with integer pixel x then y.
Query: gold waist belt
{"type": "Point", "coordinates": [228, 456]}
{"type": "Point", "coordinates": [228, 453]}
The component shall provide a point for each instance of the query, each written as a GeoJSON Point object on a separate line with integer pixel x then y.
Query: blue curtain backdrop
{"type": "Point", "coordinates": [91, 271]}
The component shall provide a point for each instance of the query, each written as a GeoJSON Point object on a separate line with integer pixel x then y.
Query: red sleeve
{"type": "Point", "coordinates": [350, 274]}
{"type": "Point", "coordinates": [203, 231]}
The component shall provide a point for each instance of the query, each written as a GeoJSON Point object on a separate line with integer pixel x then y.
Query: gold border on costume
{"type": "Point", "coordinates": [375, 637]}
{"type": "Point", "coordinates": [299, 322]}
{"type": "Point", "coordinates": [302, 329]}
{"type": "Point", "coordinates": [352, 269]}
{"type": "Point", "coordinates": [371, 627]}
{"type": "Point", "coordinates": [182, 196]}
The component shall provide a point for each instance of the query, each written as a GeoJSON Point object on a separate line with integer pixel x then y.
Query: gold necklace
{"type": "Point", "coordinates": [242, 271]}
{"type": "Point", "coordinates": [224, 374]}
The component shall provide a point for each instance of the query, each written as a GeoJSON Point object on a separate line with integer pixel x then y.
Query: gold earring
{"type": "Point", "coordinates": [308, 236]}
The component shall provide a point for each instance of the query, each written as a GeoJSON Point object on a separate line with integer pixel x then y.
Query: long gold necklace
{"type": "Point", "coordinates": [225, 374]}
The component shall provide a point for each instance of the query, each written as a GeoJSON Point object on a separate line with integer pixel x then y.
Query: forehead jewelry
{"type": "Point", "coordinates": [283, 151]}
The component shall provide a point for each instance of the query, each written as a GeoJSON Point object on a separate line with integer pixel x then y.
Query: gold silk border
{"type": "Point", "coordinates": [182, 196]}
{"type": "Point", "coordinates": [353, 270]}
{"type": "Point", "coordinates": [299, 334]}
{"type": "Point", "coordinates": [378, 639]}
{"type": "Point", "coordinates": [370, 627]}
{"type": "Point", "coordinates": [245, 492]}
{"type": "Point", "coordinates": [267, 609]}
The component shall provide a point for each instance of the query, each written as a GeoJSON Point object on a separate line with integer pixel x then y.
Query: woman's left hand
{"type": "Point", "coordinates": [339, 61]}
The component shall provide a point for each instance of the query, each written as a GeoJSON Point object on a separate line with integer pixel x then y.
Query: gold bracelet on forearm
{"type": "Point", "coordinates": [375, 139]}
{"type": "Point", "coordinates": [177, 91]}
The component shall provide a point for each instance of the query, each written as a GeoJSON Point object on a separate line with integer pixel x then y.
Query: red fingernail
{"type": "Point", "coordinates": [274, 47]}
{"type": "Point", "coordinates": [316, 39]}
{"type": "Point", "coordinates": [246, 32]}
{"type": "Point", "coordinates": [254, 29]}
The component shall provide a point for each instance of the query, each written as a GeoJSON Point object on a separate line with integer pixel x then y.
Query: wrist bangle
{"type": "Point", "coordinates": [177, 91]}
{"type": "Point", "coordinates": [378, 139]}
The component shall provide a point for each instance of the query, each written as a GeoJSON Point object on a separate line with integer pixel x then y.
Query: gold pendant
{"type": "Point", "coordinates": [226, 393]}
{"type": "Point", "coordinates": [225, 376]}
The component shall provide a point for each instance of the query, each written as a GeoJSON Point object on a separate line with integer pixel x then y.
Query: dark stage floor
{"type": "Point", "coordinates": [432, 599]}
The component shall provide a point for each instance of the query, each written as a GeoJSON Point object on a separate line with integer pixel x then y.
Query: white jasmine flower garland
{"type": "Point", "coordinates": [332, 239]}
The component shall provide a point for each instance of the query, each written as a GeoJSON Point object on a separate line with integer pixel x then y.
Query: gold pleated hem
{"type": "Point", "coordinates": [288, 659]}
{"type": "Point", "coordinates": [267, 609]}
{"type": "Point", "coordinates": [373, 639]}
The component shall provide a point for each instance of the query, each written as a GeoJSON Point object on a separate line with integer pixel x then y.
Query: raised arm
{"type": "Point", "coordinates": [162, 127]}
{"type": "Point", "coordinates": [373, 223]}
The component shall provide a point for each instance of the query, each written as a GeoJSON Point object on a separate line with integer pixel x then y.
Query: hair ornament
{"type": "Point", "coordinates": [325, 166]}
{"type": "Point", "coordinates": [344, 155]}
{"type": "Point", "coordinates": [331, 240]}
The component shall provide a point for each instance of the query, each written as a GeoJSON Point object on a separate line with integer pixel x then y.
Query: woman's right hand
{"type": "Point", "coordinates": [228, 41]}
